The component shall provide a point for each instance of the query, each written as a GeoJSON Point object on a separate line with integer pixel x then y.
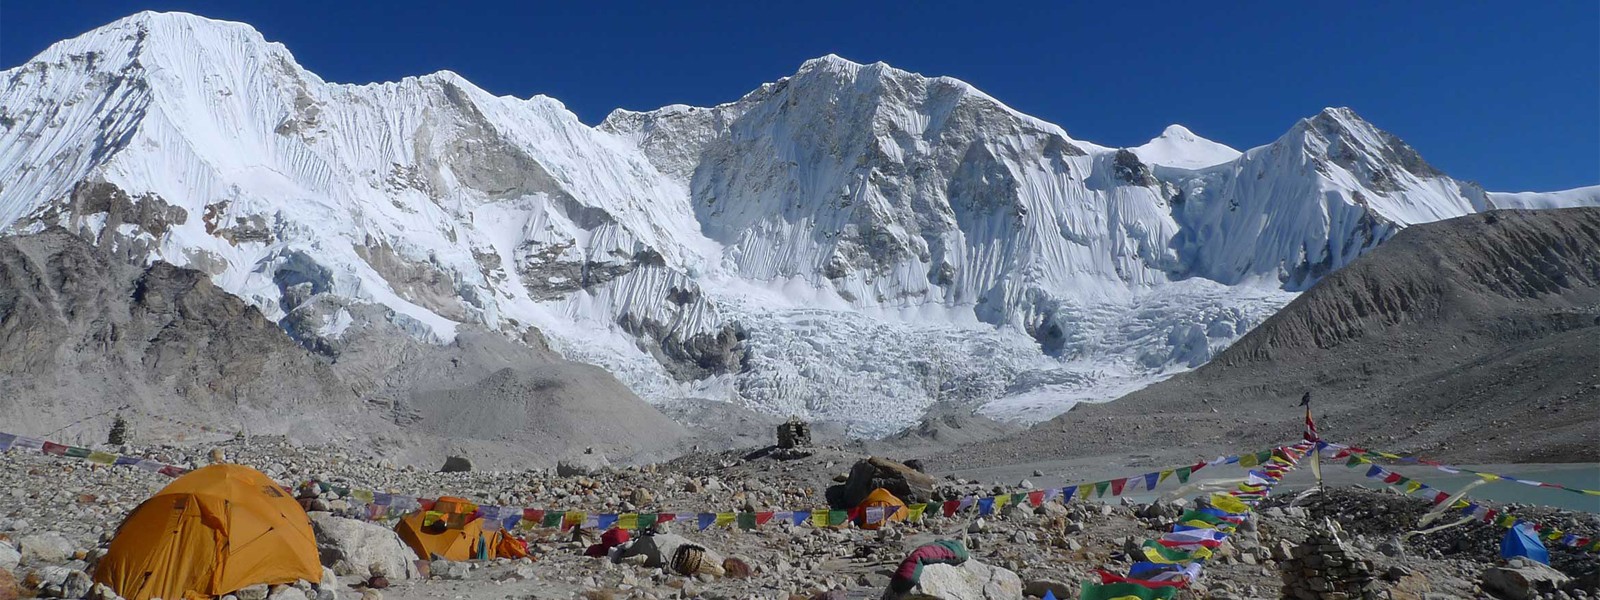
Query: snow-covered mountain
{"type": "Point", "coordinates": [853, 242]}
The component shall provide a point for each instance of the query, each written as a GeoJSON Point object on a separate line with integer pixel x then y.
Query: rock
{"type": "Point", "coordinates": [287, 592]}
{"type": "Point", "coordinates": [582, 465]}
{"type": "Point", "coordinates": [371, 594]}
{"type": "Point", "coordinates": [971, 580]}
{"type": "Point", "coordinates": [9, 557]}
{"type": "Point", "coordinates": [456, 464]}
{"type": "Point", "coordinates": [328, 587]}
{"type": "Point", "coordinates": [254, 592]}
{"type": "Point", "coordinates": [1038, 587]}
{"type": "Point", "coordinates": [49, 547]}
{"type": "Point", "coordinates": [101, 591]}
{"type": "Point", "coordinates": [9, 588]}
{"type": "Point", "coordinates": [905, 483]}
{"type": "Point", "coordinates": [76, 585]}
{"type": "Point", "coordinates": [446, 569]}
{"type": "Point", "coordinates": [361, 549]}
{"type": "Point", "coordinates": [1522, 579]}
{"type": "Point", "coordinates": [641, 497]}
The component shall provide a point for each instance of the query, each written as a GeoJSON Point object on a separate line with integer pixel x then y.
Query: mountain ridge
{"type": "Point", "coordinates": [836, 244]}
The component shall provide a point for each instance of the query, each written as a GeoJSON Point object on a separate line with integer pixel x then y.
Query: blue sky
{"type": "Point", "coordinates": [1503, 93]}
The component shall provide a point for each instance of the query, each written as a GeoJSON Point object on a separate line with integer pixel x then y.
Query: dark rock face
{"type": "Point", "coordinates": [693, 357]}
{"type": "Point", "coordinates": [456, 464]}
{"type": "Point", "coordinates": [1130, 169]}
{"type": "Point", "coordinates": [904, 482]}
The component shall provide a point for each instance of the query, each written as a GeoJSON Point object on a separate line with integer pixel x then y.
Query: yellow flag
{"type": "Point", "coordinates": [1412, 486]}
{"type": "Point", "coordinates": [1228, 503]}
{"type": "Point", "coordinates": [1001, 500]}
{"type": "Point", "coordinates": [1164, 476]}
{"type": "Point", "coordinates": [1248, 460]}
{"type": "Point", "coordinates": [362, 496]}
{"type": "Point", "coordinates": [628, 521]}
{"type": "Point", "coordinates": [725, 519]}
{"type": "Point", "coordinates": [101, 458]}
{"type": "Point", "coordinates": [1489, 476]}
{"type": "Point", "coordinates": [572, 518]}
{"type": "Point", "coordinates": [914, 514]}
{"type": "Point", "coordinates": [819, 518]}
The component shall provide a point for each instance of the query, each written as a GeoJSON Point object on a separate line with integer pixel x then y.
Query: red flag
{"type": "Point", "coordinates": [763, 517]}
{"type": "Point", "coordinates": [1392, 478]}
{"type": "Point", "coordinates": [55, 449]}
{"type": "Point", "coordinates": [666, 517]}
{"type": "Point", "coordinates": [1109, 577]}
{"type": "Point", "coordinates": [533, 515]}
{"type": "Point", "coordinates": [1311, 426]}
{"type": "Point", "coordinates": [1036, 498]}
{"type": "Point", "coordinates": [1116, 486]}
{"type": "Point", "coordinates": [1441, 497]}
{"type": "Point", "coordinates": [950, 507]}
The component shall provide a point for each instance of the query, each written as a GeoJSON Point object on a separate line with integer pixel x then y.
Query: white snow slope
{"type": "Point", "coordinates": [853, 242]}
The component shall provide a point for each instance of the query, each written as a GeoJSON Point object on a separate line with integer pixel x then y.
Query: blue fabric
{"type": "Point", "coordinates": [1522, 541]}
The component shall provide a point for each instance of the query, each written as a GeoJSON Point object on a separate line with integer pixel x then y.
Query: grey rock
{"type": "Point", "coordinates": [362, 549]}
{"type": "Point", "coordinates": [287, 592]}
{"type": "Point", "coordinates": [48, 547]}
{"type": "Point", "coordinates": [9, 557]}
{"type": "Point", "coordinates": [456, 464]}
{"type": "Point", "coordinates": [254, 592]}
{"type": "Point", "coordinates": [971, 580]}
{"type": "Point", "coordinates": [1522, 579]}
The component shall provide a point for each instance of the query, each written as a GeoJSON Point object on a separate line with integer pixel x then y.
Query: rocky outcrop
{"type": "Point", "coordinates": [1322, 568]}
{"type": "Point", "coordinates": [904, 482]}
{"type": "Point", "coordinates": [1523, 579]}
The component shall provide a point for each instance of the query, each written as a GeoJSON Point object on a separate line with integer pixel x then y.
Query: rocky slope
{"type": "Point", "coordinates": [839, 244]}
{"type": "Point", "coordinates": [1473, 339]}
{"type": "Point", "coordinates": [87, 336]}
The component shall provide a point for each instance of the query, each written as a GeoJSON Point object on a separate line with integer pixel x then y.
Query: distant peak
{"type": "Point", "coordinates": [1178, 132]}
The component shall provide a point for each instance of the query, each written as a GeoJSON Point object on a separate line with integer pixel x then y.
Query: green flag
{"type": "Point", "coordinates": [747, 520]}
{"type": "Point", "coordinates": [1183, 474]}
{"type": "Point", "coordinates": [1100, 488]}
{"type": "Point", "coordinates": [76, 452]}
{"type": "Point", "coordinates": [552, 518]}
{"type": "Point", "coordinates": [648, 520]}
{"type": "Point", "coordinates": [1124, 591]}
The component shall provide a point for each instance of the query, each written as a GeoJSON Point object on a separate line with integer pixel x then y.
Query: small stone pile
{"type": "Point", "coordinates": [1322, 568]}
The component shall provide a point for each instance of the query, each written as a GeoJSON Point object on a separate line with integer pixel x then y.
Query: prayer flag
{"type": "Point", "coordinates": [1036, 498]}
{"type": "Point", "coordinates": [571, 518]}
{"type": "Point", "coordinates": [801, 516]}
{"type": "Point", "coordinates": [986, 506]}
{"type": "Point", "coordinates": [628, 521]}
{"type": "Point", "coordinates": [1151, 479]}
{"type": "Point", "coordinates": [915, 514]}
{"type": "Point", "coordinates": [1116, 486]}
{"type": "Point", "coordinates": [1100, 488]}
{"type": "Point", "coordinates": [54, 449]}
{"type": "Point", "coordinates": [1123, 591]}
{"type": "Point", "coordinates": [705, 520]}
{"type": "Point", "coordinates": [6, 440]}
{"type": "Point", "coordinates": [726, 519]}
{"type": "Point", "coordinates": [1067, 493]}
{"type": "Point", "coordinates": [1183, 474]}
{"type": "Point", "coordinates": [949, 508]}
{"type": "Point", "coordinates": [102, 458]}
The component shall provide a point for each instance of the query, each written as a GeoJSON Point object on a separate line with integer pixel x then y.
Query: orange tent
{"type": "Point", "coordinates": [453, 531]}
{"type": "Point", "coordinates": [209, 533]}
{"type": "Point", "coordinates": [893, 507]}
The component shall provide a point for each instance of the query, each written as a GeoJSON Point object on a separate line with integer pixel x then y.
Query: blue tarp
{"type": "Point", "coordinates": [1522, 541]}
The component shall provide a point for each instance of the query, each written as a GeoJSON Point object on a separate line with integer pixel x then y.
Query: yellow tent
{"type": "Point", "coordinates": [452, 531]}
{"type": "Point", "coordinates": [881, 498]}
{"type": "Point", "coordinates": [209, 533]}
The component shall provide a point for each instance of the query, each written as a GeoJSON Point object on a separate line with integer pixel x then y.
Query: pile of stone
{"type": "Point", "coordinates": [1323, 568]}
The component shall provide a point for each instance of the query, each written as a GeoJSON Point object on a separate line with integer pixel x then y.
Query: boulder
{"type": "Point", "coordinates": [361, 549]}
{"type": "Point", "coordinates": [448, 569]}
{"type": "Point", "coordinates": [9, 557]}
{"type": "Point", "coordinates": [76, 585]}
{"type": "Point", "coordinates": [1522, 579]}
{"type": "Point", "coordinates": [582, 465]}
{"type": "Point", "coordinates": [904, 482]}
{"type": "Point", "coordinates": [254, 592]}
{"type": "Point", "coordinates": [49, 547]}
{"type": "Point", "coordinates": [971, 580]}
{"type": "Point", "coordinates": [456, 464]}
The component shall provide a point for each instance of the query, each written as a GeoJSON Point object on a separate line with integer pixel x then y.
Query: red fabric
{"type": "Point", "coordinates": [763, 517]}
{"type": "Point", "coordinates": [612, 538]}
{"type": "Point", "coordinates": [950, 507]}
{"type": "Point", "coordinates": [1204, 543]}
{"type": "Point", "coordinates": [533, 515]}
{"type": "Point", "coordinates": [1392, 478]}
{"type": "Point", "coordinates": [1109, 577]}
{"type": "Point", "coordinates": [1036, 498]}
{"type": "Point", "coordinates": [1116, 486]}
{"type": "Point", "coordinates": [665, 517]}
{"type": "Point", "coordinates": [54, 448]}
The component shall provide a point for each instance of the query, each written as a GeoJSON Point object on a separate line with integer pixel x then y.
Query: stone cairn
{"type": "Point", "coordinates": [1322, 568]}
{"type": "Point", "coordinates": [794, 433]}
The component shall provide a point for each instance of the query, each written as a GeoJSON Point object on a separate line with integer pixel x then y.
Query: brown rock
{"type": "Point", "coordinates": [9, 589]}
{"type": "Point", "coordinates": [904, 482]}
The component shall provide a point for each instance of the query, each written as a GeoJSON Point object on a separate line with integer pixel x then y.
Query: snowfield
{"type": "Point", "coordinates": [853, 242]}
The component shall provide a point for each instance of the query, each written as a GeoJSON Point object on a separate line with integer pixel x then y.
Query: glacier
{"type": "Point", "coordinates": [853, 242]}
